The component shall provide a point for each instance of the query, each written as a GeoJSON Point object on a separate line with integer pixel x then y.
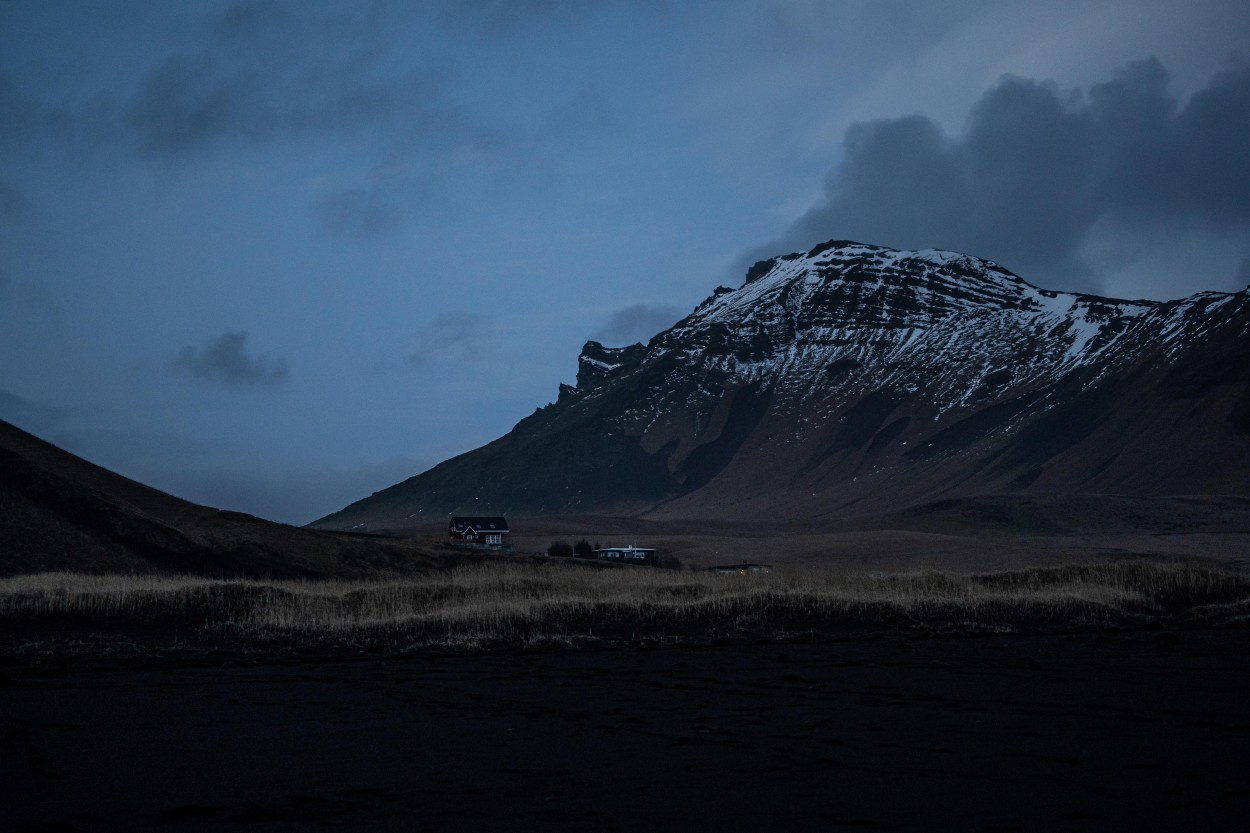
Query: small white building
{"type": "Point", "coordinates": [628, 555]}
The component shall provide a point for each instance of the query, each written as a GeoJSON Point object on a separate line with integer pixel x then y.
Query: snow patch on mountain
{"type": "Point", "coordinates": [847, 319]}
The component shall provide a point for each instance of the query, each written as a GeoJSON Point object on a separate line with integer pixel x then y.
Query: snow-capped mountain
{"type": "Point", "coordinates": [853, 378]}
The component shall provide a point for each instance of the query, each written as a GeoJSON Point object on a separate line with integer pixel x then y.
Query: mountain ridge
{"type": "Point", "coordinates": [854, 377]}
{"type": "Point", "coordinates": [59, 512]}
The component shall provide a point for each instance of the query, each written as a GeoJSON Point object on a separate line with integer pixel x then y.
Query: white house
{"type": "Point", "coordinates": [628, 555]}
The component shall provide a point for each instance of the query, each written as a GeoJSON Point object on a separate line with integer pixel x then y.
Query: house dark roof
{"type": "Point", "coordinates": [459, 525]}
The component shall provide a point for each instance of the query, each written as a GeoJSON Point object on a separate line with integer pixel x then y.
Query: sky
{"type": "Point", "coordinates": [274, 256]}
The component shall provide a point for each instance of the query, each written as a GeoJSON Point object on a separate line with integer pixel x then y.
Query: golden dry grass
{"type": "Point", "coordinates": [508, 601]}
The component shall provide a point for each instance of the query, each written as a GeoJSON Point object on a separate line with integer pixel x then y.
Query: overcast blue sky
{"type": "Point", "coordinates": [273, 256]}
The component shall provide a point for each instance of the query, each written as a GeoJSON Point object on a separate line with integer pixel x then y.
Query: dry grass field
{"type": "Point", "coordinates": [552, 695]}
{"type": "Point", "coordinates": [509, 603]}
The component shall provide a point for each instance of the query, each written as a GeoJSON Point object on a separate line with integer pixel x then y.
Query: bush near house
{"type": "Point", "coordinates": [667, 562]}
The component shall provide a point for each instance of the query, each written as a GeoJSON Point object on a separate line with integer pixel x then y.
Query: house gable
{"type": "Point", "coordinates": [478, 531]}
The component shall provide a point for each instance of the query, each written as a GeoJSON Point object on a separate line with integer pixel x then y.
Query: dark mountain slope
{"type": "Point", "coordinates": [60, 512]}
{"type": "Point", "coordinates": [854, 379]}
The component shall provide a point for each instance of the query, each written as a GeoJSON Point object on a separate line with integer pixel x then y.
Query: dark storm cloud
{"type": "Point", "coordinates": [452, 336]}
{"type": "Point", "coordinates": [1215, 143]}
{"type": "Point", "coordinates": [637, 323]}
{"type": "Point", "coordinates": [1037, 167]}
{"type": "Point", "coordinates": [225, 360]}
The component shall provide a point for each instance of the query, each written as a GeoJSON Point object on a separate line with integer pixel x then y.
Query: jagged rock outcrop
{"type": "Point", "coordinates": [858, 378]}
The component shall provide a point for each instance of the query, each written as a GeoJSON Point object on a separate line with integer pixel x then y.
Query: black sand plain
{"type": "Point", "coordinates": [1145, 730]}
{"type": "Point", "coordinates": [891, 729]}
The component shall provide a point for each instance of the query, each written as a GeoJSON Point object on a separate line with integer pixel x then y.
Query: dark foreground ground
{"type": "Point", "coordinates": [1137, 731]}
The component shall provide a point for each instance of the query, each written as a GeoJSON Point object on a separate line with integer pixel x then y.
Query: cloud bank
{"type": "Point", "coordinates": [1039, 171]}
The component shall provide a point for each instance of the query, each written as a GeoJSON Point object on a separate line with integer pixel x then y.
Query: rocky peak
{"type": "Point", "coordinates": [861, 285]}
{"type": "Point", "coordinates": [597, 362]}
{"type": "Point", "coordinates": [844, 302]}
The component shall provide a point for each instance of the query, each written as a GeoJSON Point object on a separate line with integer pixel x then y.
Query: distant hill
{"type": "Point", "coordinates": [855, 379]}
{"type": "Point", "coordinates": [60, 512]}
